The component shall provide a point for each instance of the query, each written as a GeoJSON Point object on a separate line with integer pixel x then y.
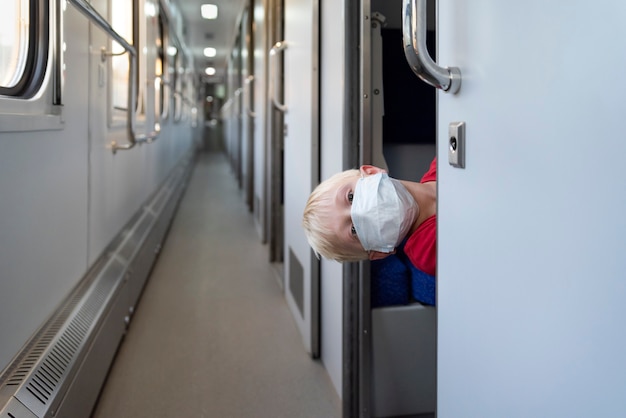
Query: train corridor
{"type": "Point", "coordinates": [212, 335]}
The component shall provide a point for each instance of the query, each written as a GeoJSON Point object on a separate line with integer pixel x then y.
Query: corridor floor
{"type": "Point", "coordinates": [212, 335]}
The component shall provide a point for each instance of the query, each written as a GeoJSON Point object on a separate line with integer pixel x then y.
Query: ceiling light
{"type": "Point", "coordinates": [150, 10]}
{"type": "Point", "coordinates": [209, 11]}
{"type": "Point", "coordinates": [171, 51]}
{"type": "Point", "coordinates": [210, 52]}
{"type": "Point", "coordinates": [210, 71]}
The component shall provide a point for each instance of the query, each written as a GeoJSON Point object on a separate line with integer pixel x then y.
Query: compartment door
{"type": "Point", "coordinates": [301, 162]}
{"type": "Point", "coordinates": [247, 115]}
{"type": "Point", "coordinates": [531, 285]}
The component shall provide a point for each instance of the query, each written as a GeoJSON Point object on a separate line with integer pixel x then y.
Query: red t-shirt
{"type": "Point", "coordinates": [421, 246]}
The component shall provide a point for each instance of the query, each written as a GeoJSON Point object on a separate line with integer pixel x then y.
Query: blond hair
{"type": "Point", "coordinates": [317, 216]}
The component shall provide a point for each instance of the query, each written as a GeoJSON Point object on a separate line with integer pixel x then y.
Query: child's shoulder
{"type": "Point", "coordinates": [431, 174]}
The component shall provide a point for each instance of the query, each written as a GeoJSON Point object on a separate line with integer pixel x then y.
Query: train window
{"type": "Point", "coordinates": [158, 72]}
{"type": "Point", "coordinates": [188, 92]}
{"type": "Point", "coordinates": [122, 21]}
{"type": "Point", "coordinates": [13, 42]}
{"type": "Point", "coordinates": [171, 51]}
{"type": "Point", "coordinates": [160, 107]}
{"type": "Point", "coordinates": [179, 70]}
{"type": "Point", "coordinates": [183, 93]}
{"type": "Point", "coordinates": [23, 46]}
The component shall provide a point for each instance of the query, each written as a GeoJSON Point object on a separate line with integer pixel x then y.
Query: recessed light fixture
{"type": "Point", "coordinates": [209, 11]}
{"type": "Point", "coordinates": [150, 9]}
{"type": "Point", "coordinates": [210, 71]}
{"type": "Point", "coordinates": [171, 51]}
{"type": "Point", "coordinates": [210, 52]}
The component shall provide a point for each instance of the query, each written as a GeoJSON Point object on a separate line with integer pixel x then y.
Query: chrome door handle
{"type": "Point", "coordinates": [277, 48]}
{"type": "Point", "coordinates": [414, 40]}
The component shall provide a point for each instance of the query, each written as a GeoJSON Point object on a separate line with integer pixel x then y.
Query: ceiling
{"type": "Point", "coordinates": [220, 33]}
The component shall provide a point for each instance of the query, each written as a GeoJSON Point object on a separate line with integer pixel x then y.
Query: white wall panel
{"type": "Point", "coordinates": [43, 208]}
{"type": "Point", "coordinates": [301, 156]}
{"type": "Point", "coordinates": [63, 194]}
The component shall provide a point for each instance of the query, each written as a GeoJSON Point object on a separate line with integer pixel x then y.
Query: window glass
{"type": "Point", "coordinates": [178, 87]}
{"type": "Point", "coordinates": [159, 96]}
{"type": "Point", "coordinates": [14, 39]}
{"type": "Point", "coordinates": [122, 22]}
{"type": "Point", "coordinates": [187, 91]}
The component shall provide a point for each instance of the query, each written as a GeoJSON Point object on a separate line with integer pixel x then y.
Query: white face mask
{"type": "Point", "coordinates": [382, 212]}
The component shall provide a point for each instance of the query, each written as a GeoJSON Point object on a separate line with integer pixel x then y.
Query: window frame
{"type": "Point", "coordinates": [39, 106]}
{"type": "Point", "coordinates": [179, 65]}
{"type": "Point", "coordinates": [162, 98]}
{"type": "Point", "coordinates": [117, 114]}
{"type": "Point", "coordinates": [37, 53]}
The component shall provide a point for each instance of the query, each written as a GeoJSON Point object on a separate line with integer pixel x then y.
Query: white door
{"type": "Point", "coordinates": [301, 164]}
{"type": "Point", "coordinates": [532, 232]}
{"type": "Point", "coordinates": [258, 91]}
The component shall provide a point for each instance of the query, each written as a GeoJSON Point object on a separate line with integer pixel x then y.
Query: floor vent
{"type": "Point", "coordinates": [51, 369]}
{"type": "Point", "coordinates": [136, 235]}
{"type": "Point", "coordinates": [40, 342]}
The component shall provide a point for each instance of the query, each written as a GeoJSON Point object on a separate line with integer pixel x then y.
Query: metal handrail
{"type": "Point", "coordinates": [158, 116]}
{"type": "Point", "coordinates": [182, 96]}
{"type": "Point", "coordinates": [278, 47]}
{"type": "Point", "coordinates": [165, 106]}
{"type": "Point", "coordinates": [131, 122]}
{"type": "Point", "coordinates": [414, 38]}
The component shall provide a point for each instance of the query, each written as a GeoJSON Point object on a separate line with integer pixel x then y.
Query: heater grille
{"type": "Point", "coordinates": [160, 201]}
{"type": "Point", "coordinates": [40, 342]}
{"type": "Point", "coordinates": [35, 383]}
{"type": "Point", "coordinates": [53, 367]}
{"type": "Point", "coordinates": [296, 281]}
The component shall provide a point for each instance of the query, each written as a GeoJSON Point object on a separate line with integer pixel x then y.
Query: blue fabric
{"type": "Point", "coordinates": [396, 281]}
{"type": "Point", "coordinates": [422, 286]}
{"type": "Point", "coordinates": [389, 282]}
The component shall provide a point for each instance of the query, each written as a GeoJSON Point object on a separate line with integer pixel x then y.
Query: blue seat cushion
{"type": "Point", "coordinates": [423, 287]}
{"type": "Point", "coordinates": [389, 284]}
{"type": "Point", "coordinates": [396, 281]}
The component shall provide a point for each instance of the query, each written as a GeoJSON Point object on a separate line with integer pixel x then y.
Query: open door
{"type": "Point", "coordinates": [247, 113]}
{"type": "Point", "coordinates": [258, 112]}
{"type": "Point", "coordinates": [531, 230]}
{"type": "Point", "coordinates": [301, 159]}
{"type": "Point", "coordinates": [274, 197]}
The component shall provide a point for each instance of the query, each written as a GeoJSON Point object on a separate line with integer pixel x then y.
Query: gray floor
{"type": "Point", "coordinates": [212, 335]}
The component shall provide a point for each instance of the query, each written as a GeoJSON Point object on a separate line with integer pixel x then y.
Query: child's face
{"type": "Point", "coordinates": [341, 221]}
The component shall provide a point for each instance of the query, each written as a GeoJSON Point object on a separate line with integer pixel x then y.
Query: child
{"type": "Point", "coordinates": [364, 214]}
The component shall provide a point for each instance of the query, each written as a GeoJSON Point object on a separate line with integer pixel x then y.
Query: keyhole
{"type": "Point", "coordinates": [453, 144]}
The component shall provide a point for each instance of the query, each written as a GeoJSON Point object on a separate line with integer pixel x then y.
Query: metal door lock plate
{"type": "Point", "coordinates": [456, 144]}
